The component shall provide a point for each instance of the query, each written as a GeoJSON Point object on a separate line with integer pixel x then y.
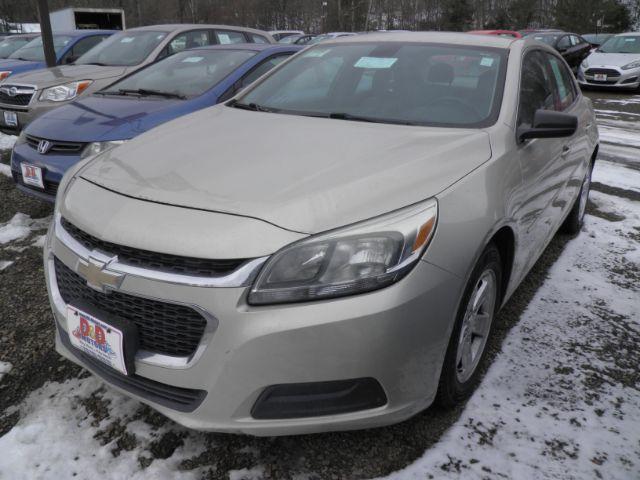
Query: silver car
{"type": "Point", "coordinates": [121, 54]}
{"type": "Point", "coordinates": [616, 63]}
{"type": "Point", "coordinates": [328, 249]}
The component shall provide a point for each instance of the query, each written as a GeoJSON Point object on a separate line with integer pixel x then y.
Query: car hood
{"type": "Point", "coordinates": [100, 118]}
{"type": "Point", "coordinates": [597, 59]}
{"type": "Point", "coordinates": [300, 173]}
{"type": "Point", "coordinates": [68, 73]}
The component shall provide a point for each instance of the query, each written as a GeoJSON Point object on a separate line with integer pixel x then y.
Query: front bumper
{"type": "Point", "coordinates": [25, 114]}
{"type": "Point", "coordinates": [615, 77]}
{"type": "Point", "coordinates": [53, 169]}
{"type": "Point", "coordinates": [397, 336]}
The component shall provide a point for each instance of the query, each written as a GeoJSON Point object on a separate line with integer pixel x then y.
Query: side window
{"type": "Point", "coordinates": [575, 40]}
{"type": "Point", "coordinates": [186, 40]}
{"type": "Point", "coordinates": [564, 43]}
{"type": "Point", "coordinates": [563, 81]}
{"type": "Point", "coordinates": [258, 38]}
{"type": "Point", "coordinates": [536, 88]}
{"type": "Point", "coordinates": [263, 68]}
{"type": "Point", "coordinates": [225, 37]}
{"type": "Point", "coordinates": [81, 47]}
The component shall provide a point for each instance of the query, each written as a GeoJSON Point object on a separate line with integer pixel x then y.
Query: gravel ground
{"type": "Point", "coordinates": [121, 425]}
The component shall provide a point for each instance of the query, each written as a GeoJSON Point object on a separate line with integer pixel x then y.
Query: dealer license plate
{"type": "Point", "coordinates": [600, 77]}
{"type": "Point", "coordinates": [32, 175]}
{"type": "Point", "coordinates": [96, 338]}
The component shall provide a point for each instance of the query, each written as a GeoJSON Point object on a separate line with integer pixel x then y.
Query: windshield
{"type": "Point", "coordinates": [548, 39]}
{"type": "Point", "coordinates": [420, 84]}
{"type": "Point", "coordinates": [185, 74]}
{"type": "Point", "coordinates": [11, 44]}
{"type": "Point", "coordinates": [34, 52]}
{"type": "Point", "coordinates": [621, 44]}
{"type": "Point", "coordinates": [123, 49]}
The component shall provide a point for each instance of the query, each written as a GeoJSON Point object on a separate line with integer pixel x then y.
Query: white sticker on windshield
{"type": "Point", "coordinates": [126, 40]}
{"type": "Point", "coordinates": [630, 39]}
{"type": "Point", "coordinates": [192, 59]}
{"type": "Point", "coordinates": [375, 62]}
{"type": "Point", "coordinates": [224, 38]}
{"type": "Point", "coordinates": [316, 52]}
{"type": "Point", "coordinates": [486, 61]}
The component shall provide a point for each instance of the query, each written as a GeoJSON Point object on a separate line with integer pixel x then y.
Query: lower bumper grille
{"type": "Point", "coordinates": [176, 398]}
{"type": "Point", "coordinates": [50, 188]}
{"type": "Point", "coordinates": [164, 328]}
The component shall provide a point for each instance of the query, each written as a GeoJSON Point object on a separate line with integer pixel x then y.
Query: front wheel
{"type": "Point", "coordinates": [574, 221]}
{"type": "Point", "coordinates": [467, 347]}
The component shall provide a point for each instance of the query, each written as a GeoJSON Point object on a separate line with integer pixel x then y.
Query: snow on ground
{"type": "Point", "coordinates": [616, 175]}
{"type": "Point", "coordinates": [7, 141]}
{"type": "Point", "coordinates": [5, 367]}
{"type": "Point", "coordinates": [57, 438]}
{"type": "Point", "coordinates": [4, 264]}
{"type": "Point", "coordinates": [5, 169]}
{"type": "Point", "coordinates": [20, 226]}
{"type": "Point", "coordinates": [562, 399]}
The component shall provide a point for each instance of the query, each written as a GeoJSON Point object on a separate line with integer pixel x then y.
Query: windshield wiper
{"type": "Point", "coordinates": [100, 64]}
{"type": "Point", "coordinates": [250, 106]}
{"type": "Point", "coordinates": [143, 92]}
{"type": "Point", "coordinates": [359, 118]}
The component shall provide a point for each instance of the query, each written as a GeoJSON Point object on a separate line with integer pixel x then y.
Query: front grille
{"type": "Point", "coordinates": [50, 188]}
{"type": "Point", "coordinates": [177, 398]}
{"type": "Point", "coordinates": [21, 98]}
{"type": "Point", "coordinates": [64, 148]}
{"type": "Point", "coordinates": [153, 260]}
{"type": "Point", "coordinates": [609, 72]}
{"type": "Point", "coordinates": [164, 328]}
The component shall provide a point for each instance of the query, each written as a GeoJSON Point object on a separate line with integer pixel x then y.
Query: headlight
{"type": "Point", "coordinates": [4, 74]}
{"type": "Point", "coordinates": [631, 65]}
{"type": "Point", "coordinates": [22, 138]}
{"type": "Point", "coordinates": [585, 63]}
{"type": "Point", "coordinates": [62, 93]}
{"type": "Point", "coordinates": [95, 148]}
{"type": "Point", "coordinates": [359, 258]}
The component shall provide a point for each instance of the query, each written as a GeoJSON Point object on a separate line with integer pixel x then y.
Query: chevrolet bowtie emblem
{"type": "Point", "coordinates": [98, 276]}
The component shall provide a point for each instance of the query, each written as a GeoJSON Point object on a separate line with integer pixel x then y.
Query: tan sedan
{"type": "Point", "coordinates": [327, 250]}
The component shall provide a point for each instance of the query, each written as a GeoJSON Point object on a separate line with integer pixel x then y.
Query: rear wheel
{"type": "Point", "coordinates": [574, 221]}
{"type": "Point", "coordinates": [467, 347]}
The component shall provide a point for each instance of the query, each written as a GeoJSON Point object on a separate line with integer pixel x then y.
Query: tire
{"type": "Point", "coordinates": [460, 376]}
{"type": "Point", "coordinates": [574, 221]}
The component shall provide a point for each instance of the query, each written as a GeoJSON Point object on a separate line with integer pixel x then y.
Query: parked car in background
{"type": "Point", "coordinates": [616, 63]}
{"type": "Point", "coordinates": [571, 46]}
{"type": "Point", "coordinates": [11, 43]}
{"type": "Point", "coordinates": [500, 33]}
{"type": "Point", "coordinates": [68, 47]}
{"type": "Point", "coordinates": [297, 39]}
{"type": "Point", "coordinates": [280, 34]}
{"type": "Point", "coordinates": [329, 36]}
{"type": "Point", "coordinates": [177, 85]}
{"type": "Point", "coordinates": [531, 31]}
{"type": "Point", "coordinates": [327, 250]}
{"type": "Point", "coordinates": [597, 39]}
{"type": "Point", "coordinates": [120, 55]}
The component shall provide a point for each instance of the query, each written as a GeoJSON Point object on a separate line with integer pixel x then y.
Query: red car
{"type": "Point", "coordinates": [500, 33]}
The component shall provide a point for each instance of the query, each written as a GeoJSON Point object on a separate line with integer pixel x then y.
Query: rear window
{"type": "Point", "coordinates": [123, 49]}
{"type": "Point", "coordinates": [421, 84]}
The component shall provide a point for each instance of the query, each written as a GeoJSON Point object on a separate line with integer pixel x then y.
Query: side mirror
{"type": "Point", "coordinates": [71, 59]}
{"type": "Point", "coordinates": [549, 124]}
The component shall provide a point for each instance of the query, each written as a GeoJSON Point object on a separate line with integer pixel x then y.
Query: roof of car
{"type": "Point", "coordinates": [83, 32]}
{"type": "Point", "coordinates": [628, 34]}
{"type": "Point", "coordinates": [172, 27]}
{"type": "Point", "coordinates": [256, 47]}
{"type": "Point", "coordinates": [429, 37]}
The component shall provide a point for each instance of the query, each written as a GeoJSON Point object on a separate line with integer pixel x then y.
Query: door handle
{"type": "Point", "coordinates": [565, 150]}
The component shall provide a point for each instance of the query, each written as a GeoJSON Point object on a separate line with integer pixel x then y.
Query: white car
{"type": "Point", "coordinates": [616, 63]}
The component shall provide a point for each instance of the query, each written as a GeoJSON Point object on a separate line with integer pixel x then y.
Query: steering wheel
{"type": "Point", "coordinates": [456, 102]}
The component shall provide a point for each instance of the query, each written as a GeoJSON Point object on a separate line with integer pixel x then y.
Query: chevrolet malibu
{"type": "Point", "coordinates": [327, 250]}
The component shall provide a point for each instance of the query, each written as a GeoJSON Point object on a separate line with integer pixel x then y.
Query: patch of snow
{"type": "Point", "coordinates": [4, 264]}
{"type": "Point", "coordinates": [620, 101]}
{"type": "Point", "coordinates": [5, 170]}
{"type": "Point", "coordinates": [7, 141]}
{"type": "Point", "coordinates": [256, 473]}
{"type": "Point", "coordinates": [55, 438]}
{"type": "Point", "coordinates": [20, 227]}
{"type": "Point", "coordinates": [616, 175]}
{"type": "Point", "coordinates": [39, 241]}
{"type": "Point", "coordinates": [5, 367]}
{"type": "Point", "coordinates": [618, 136]}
